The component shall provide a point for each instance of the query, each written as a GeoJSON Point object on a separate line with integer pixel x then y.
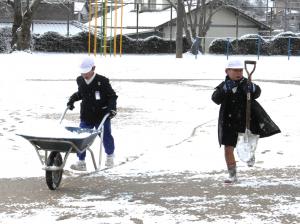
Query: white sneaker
{"type": "Point", "coordinates": [80, 165]}
{"type": "Point", "coordinates": [109, 160]}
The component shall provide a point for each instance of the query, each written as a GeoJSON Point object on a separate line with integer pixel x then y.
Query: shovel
{"type": "Point", "coordinates": [247, 142]}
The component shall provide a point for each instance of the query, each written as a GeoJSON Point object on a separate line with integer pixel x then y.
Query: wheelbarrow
{"type": "Point", "coordinates": [78, 141]}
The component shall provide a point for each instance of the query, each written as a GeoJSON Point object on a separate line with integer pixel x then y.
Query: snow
{"type": "Point", "coordinates": [59, 27]}
{"type": "Point", "coordinates": [129, 19]}
{"type": "Point", "coordinates": [32, 98]}
{"type": "Point", "coordinates": [165, 114]}
{"type": "Point", "coordinates": [53, 131]}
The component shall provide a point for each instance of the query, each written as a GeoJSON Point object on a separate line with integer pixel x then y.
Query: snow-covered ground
{"type": "Point", "coordinates": [166, 122]}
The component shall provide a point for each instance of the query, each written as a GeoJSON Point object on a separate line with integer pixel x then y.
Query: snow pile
{"type": "Point", "coordinates": [53, 130]}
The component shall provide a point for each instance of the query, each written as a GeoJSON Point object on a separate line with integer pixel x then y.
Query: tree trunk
{"type": "Point", "coordinates": [186, 28]}
{"type": "Point", "coordinates": [179, 27]}
{"type": "Point", "coordinates": [23, 33]}
{"type": "Point", "coordinates": [191, 23]}
{"type": "Point", "coordinates": [183, 22]}
{"type": "Point", "coordinates": [17, 7]}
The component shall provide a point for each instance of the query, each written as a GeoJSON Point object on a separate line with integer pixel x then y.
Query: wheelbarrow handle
{"type": "Point", "coordinates": [63, 115]}
{"type": "Point", "coordinates": [103, 120]}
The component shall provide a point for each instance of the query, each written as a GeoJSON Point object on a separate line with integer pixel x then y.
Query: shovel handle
{"type": "Point", "coordinates": [248, 105]}
{"type": "Point", "coordinates": [248, 62]}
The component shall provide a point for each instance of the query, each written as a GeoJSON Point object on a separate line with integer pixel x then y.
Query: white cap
{"type": "Point", "coordinates": [235, 64]}
{"type": "Point", "coordinates": [86, 65]}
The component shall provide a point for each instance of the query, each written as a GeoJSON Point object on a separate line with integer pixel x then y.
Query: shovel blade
{"type": "Point", "coordinates": [246, 145]}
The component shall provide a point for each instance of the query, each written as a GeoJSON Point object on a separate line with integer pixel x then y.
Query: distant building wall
{"type": "Point", "coordinates": [45, 11]}
{"type": "Point", "coordinates": [224, 24]}
{"type": "Point", "coordinates": [54, 12]}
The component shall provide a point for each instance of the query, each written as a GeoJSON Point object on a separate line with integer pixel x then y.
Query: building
{"type": "Point", "coordinates": [227, 22]}
{"type": "Point", "coordinates": [54, 16]}
{"type": "Point", "coordinates": [286, 15]}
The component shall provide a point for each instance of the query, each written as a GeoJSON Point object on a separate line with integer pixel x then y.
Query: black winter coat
{"type": "Point", "coordinates": [232, 114]}
{"type": "Point", "coordinates": [98, 98]}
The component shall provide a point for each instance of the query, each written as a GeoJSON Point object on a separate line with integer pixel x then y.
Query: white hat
{"type": "Point", "coordinates": [86, 65]}
{"type": "Point", "coordinates": [235, 64]}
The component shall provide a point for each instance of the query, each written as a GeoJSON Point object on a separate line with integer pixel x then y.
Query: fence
{"type": "Point", "coordinates": [286, 43]}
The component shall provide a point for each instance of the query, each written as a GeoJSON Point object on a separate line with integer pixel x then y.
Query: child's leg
{"type": "Point", "coordinates": [231, 163]}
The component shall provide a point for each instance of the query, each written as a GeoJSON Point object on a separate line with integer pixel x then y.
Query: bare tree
{"type": "Point", "coordinates": [197, 17]}
{"type": "Point", "coordinates": [184, 18]}
{"type": "Point", "coordinates": [200, 15]}
{"type": "Point", "coordinates": [21, 34]}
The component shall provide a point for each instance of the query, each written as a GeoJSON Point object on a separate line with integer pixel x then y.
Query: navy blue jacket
{"type": "Point", "coordinates": [97, 98]}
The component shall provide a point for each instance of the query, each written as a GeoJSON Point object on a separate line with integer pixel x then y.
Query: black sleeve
{"type": "Point", "coordinates": [257, 92]}
{"type": "Point", "coordinates": [111, 95]}
{"type": "Point", "coordinates": [75, 97]}
{"type": "Point", "coordinates": [219, 94]}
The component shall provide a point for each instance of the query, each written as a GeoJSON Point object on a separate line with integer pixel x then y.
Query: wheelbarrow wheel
{"type": "Point", "coordinates": [53, 177]}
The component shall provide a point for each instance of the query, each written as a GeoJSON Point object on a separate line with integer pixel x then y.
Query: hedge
{"type": "Point", "coordinates": [251, 43]}
{"type": "Point", "coordinates": [54, 42]}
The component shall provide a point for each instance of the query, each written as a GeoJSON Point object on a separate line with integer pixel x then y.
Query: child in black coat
{"type": "Point", "coordinates": [231, 94]}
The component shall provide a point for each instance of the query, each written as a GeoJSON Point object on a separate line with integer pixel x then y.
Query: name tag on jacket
{"type": "Point", "coordinates": [97, 95]}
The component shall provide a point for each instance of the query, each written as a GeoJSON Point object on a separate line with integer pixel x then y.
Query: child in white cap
{"type": "Point", "coordinates": [231, 95]}
{"type": "Point", "coordinates": [97, 99]}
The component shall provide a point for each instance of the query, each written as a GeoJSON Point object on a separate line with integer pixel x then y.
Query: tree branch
{"type": "Point", "coordinates": [11, 3]}
{"type": "Point", "coordinates": [172, 4]}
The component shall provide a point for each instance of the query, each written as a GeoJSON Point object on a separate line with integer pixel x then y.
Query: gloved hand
{"type": "Point", "coordinates": [229, 85]}
{"type": "Point", "coordinates": [112, 114]}
{"type": "Point", "coordinates": [249, 88]}
{"type": "Point", "coordinates": [70, 104]}
{"type": "Point", "coordinates": [72, 100]}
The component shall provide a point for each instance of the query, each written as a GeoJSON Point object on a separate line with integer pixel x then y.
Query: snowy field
{"type": "Point", "coordinates": [166, 123]}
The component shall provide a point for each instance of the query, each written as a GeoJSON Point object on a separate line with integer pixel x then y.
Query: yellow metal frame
{"type": "Point", "coordinates": [105, 27]}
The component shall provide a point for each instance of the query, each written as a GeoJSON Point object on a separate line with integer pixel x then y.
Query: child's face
{"type": "Point", "coordinates": [235, 74]}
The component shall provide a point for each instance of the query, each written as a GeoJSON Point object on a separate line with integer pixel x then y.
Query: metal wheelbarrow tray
{"type": "Point", "coordinates": [53, 163]}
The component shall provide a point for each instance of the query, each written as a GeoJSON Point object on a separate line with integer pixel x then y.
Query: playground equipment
{"type": "Point", "coordinates": [102, 32]}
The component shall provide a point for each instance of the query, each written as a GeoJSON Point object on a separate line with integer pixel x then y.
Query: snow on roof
{"type": "Point", "coordinates": [147, 20]}
{"type": "Point", "coordinates": [5, 25]}
{"type": "Point", "coordinates": [41, 28]}
{"type": "Point", "coordinates": [78, 6]}
{"type": "Point", "coordinates": [60, 28]}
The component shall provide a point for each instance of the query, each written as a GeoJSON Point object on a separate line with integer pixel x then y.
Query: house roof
{"type": "Point", "coordinates": [148, 21]}
{"type": "Point", "coordinates": [151, 20]}
{"type": "Point", "coordinates": [78, 6]}
{"type": "Point", "coordinates": [41, 27]}
{"type": "Point", "coordinates": [236, 11]}
{"type": "Point", "coordinates": [241, 13]}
